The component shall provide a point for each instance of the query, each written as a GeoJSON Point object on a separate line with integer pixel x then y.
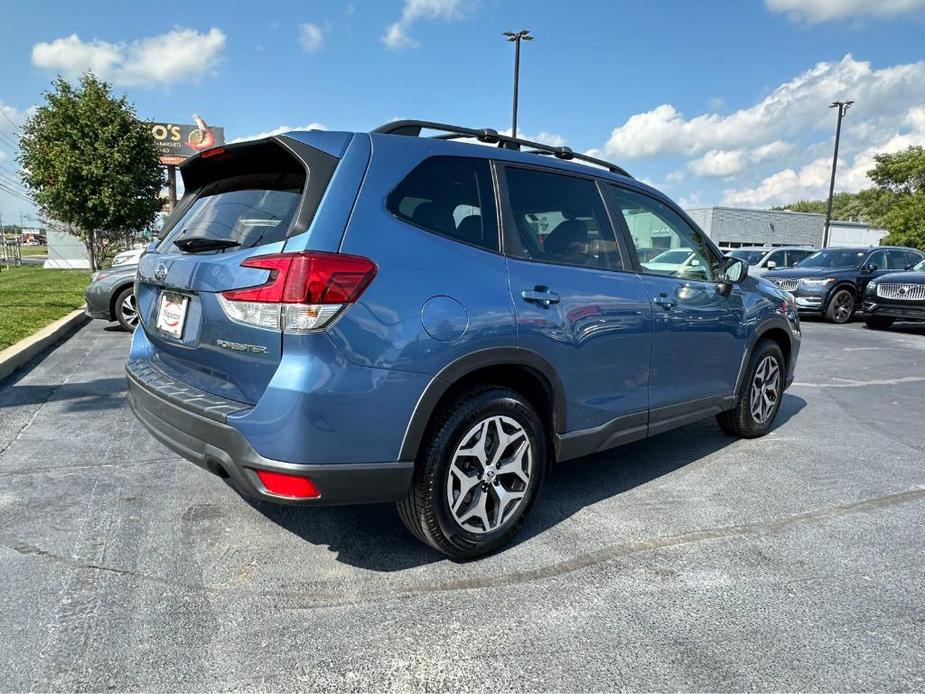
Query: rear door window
{"type": "Point", "coordinates": [559, 219]}
{"type": "Point", "coordinates": [452, 197]}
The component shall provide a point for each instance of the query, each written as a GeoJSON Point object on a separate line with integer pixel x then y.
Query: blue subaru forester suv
{"type": "Point", "coordinates": [336, 318]}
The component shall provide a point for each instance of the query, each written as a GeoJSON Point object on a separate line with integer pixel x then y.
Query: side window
{"type": "Point", "coordinates": [794, 257]}
{"type": "Point", "coordinates": [777, 257]}
{"type": "Point", "coordinates": [877, 258]}
{"type": "Point", "coordinates": [900, 260]}
{"type": "Point", "coordinates": [559, 219]}
{"type": "Point", "coordinates": [450, 196]}
{"type": "Point", "coordinates": [652, 224]}
{"type": "Point", "coordinates": [913, 258]}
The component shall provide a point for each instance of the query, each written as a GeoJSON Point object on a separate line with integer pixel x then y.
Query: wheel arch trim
{"type": "Point", "coordinates": [775, 322]}
{"type": "Point", "coordinates": [455, 371]}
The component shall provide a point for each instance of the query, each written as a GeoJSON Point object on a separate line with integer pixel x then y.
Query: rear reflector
{"type": "Point", "coordinates": [283, 484]}
{"type": "Point", "coordinates": [303, 291]}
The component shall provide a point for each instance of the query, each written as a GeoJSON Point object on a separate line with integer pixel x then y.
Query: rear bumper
{"type": "Point", "coordinates": [192, 424]}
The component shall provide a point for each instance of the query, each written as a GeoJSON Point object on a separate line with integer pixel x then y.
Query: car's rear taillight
{"type": "Point", "coordinates": [303, 292]}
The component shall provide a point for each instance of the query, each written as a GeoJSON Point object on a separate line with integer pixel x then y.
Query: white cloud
{"type": "Point", "coordinates": [719, 163]}
{"type": "Point", "coordinates": [311, 37]}
{"type": "Point", "coordinates": [811, 180]}
{"type": "Point", "coordinates": [795, 107]}
{"type": "Point", "coordinates": [396, 34]}
{"type": "Point", "coordinates": [12, 118]}
{"type": "Point", "coordinates": [181, 55]}
{"type": "Point", "coordinates": [814, 11]}
{"type": "Point", "coordinates": [545, 138]}
{"type": "Point", "coordinates": [277, 131]}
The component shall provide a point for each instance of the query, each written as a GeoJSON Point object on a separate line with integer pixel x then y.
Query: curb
{"type": "Point", "coordinates": [23, 351]}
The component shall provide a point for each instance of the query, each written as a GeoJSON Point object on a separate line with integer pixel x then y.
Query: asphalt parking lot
{"type": "Point", "coordinates": [688, 561]}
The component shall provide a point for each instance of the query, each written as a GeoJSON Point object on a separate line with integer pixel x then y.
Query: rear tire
{"type": "Point", "coordinates": [126, 309]}
{"type": "Point", "coordinates": [841, 307]}
{"type": "Point", "coordinates": [878, 322]}
{"type": "Point", "coordinates": [478, 473]}
{"type": "Point", "coordinates": [759, 395]}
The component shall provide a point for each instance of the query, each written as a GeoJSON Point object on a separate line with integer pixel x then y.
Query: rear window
{"type": "Point", "coordinates": [449, 196]}
{"type": "Point", "coordinates": [253, 210]}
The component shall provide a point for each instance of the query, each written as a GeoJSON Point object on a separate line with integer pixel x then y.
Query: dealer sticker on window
{"type": "Point", "coordinates": [171, 314]}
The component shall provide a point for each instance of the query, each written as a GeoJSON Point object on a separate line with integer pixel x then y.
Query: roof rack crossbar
{"type": "Point", "coordinates": [413, 128]}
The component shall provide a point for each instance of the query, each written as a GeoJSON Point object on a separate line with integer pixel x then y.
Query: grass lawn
{"type": "Point", "coordinates": [33, 250]}
{"type": "Point", "coordinates": [32, 297]}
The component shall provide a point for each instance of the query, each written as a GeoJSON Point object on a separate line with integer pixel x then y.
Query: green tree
{"type": "Point", "coordinates": [92, 164]}
{"type": "Point", "coordinates": [900, 207]}
{"type": "Point", "coordinates": [848, 207]}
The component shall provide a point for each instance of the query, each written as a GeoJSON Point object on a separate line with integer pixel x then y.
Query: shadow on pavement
{"type": "Point", "coordinates": [89, 396]}
{"type": "Point", "coordinates": [373, 537]}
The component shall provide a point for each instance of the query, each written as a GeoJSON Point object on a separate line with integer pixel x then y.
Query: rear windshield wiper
{"type": "Point", "coordinates": [198, 244]}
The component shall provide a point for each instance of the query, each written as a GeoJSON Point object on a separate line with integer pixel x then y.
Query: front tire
{"type": "Point", "coordinates": [878, 322]}
{"type": "Point", "coordinates": [127, 309]}
{"type": "Point", "coordinates": [759, 395]}
{"type": "Point", "coordinates": [478, 474]}
{"type": "Point", "coordinates": [841, 307]}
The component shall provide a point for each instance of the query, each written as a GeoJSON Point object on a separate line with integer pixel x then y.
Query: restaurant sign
{"type": "Point", "coordinates": [176, 142]}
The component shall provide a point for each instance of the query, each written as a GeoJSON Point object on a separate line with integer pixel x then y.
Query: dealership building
{"type": "Point", "coordinates": [733, 227]}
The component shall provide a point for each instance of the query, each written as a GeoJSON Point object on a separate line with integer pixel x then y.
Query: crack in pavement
{"type": "Point", "coordinates": [584, 561]}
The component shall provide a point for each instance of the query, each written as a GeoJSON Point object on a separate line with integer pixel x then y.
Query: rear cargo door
{"type": "Point", "coordinates": [241, 201]}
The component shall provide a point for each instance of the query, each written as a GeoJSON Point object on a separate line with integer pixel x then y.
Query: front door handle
{"type": "Point", "coordinates": [541, 296]}
{"type": "Point", "coordinates": [663, 301]}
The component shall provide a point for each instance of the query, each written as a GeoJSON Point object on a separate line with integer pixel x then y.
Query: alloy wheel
{"type": "Point", "coordinates": [844, 305]}
{"type": "Point", "coordinates": [489, 474]}
{"type": "Point", "coordinates": [129, 310]}
{"type": "Point", "coordinates": [765, 389]}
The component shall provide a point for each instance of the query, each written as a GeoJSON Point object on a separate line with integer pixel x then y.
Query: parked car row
{"type": "Point", "coordinates": [836, 282]}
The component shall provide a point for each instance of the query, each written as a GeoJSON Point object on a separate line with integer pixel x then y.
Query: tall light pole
{"type": "Point", "coordinates": [522, 35]}
{"type": "Point", "coordinates": [842, 107]}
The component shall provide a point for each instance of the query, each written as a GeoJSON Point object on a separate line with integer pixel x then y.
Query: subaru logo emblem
{"type": "Point", "coordinates": [160, 273]}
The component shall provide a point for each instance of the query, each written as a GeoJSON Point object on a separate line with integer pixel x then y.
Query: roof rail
{"type": "Point", "coordinates": [413, 128]}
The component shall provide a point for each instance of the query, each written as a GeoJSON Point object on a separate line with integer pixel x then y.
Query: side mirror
{"type": "Point", "coordinates": [872, 268]}
{"type": "Point", "coordinates": [733, 271]}
{"type": "Point", "coordinates": [770, 265]}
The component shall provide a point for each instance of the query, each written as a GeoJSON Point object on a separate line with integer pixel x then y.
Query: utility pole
{"type": "Point", "coordinates": [842, 107]}
{"type": "Point", "coordinates": [171, 187]}
{"type": "Point", "coordinates": [516, 38]}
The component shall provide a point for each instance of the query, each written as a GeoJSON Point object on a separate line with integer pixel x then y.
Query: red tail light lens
{"type": "Point", "coordinates": [308, 278]}
{"type": "Point", "coordinates": [303, 292]}
{"type": "Point", "coordinates": [283, 484]}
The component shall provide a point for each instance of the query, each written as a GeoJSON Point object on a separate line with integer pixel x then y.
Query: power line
{"type": "Point", "coordinates": [10, 120]}
{"type": "Point", "coordinates": [16, 194]}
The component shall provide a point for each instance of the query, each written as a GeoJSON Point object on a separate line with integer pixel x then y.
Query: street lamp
{"type": "Point", "coordinates": [842, 107]}
{"type": "Point", "coordinates": [522, 35]}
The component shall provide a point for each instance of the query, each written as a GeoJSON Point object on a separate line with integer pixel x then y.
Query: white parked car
{"type": "Point", "coordinates": [677, 262]}
{"type": "Point", "coordinates": [129, 257]}
{"type": "Point", "coordinates": [760, 259]}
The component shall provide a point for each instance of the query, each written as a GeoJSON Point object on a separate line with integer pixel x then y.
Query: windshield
{"type": "Point", "coordinates": [920, 267]}
{"type": "Point", "coordinates": [750, 257]}
{"type": "Point", "coordinates": [672, 257]}
{"type": "Point", "coordinates": [833, 257]}
{"type": "Point", "coordinates": [251, 210]}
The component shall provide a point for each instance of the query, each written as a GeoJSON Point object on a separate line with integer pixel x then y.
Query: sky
{"type": "Point", "coordinates": [714, 102]}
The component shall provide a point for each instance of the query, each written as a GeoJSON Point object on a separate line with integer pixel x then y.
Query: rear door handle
{"type": "Point", "coordinates": [541, 296]}
{"type": "Point", "coordinates": [663, 301]}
